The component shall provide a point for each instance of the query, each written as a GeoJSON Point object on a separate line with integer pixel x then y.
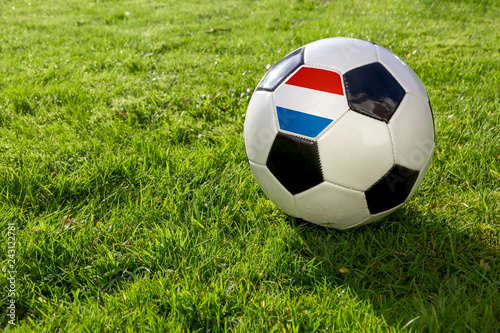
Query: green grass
{"type": "Point", "coordinates": [122, 167]}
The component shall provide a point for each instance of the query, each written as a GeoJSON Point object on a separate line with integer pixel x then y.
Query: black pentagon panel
{"type": "Point", "coordinates": [373, 91]}
{"type": "Point", "coordinates": [295, 163]}
{"type": "Point", "coordinates": [391, 190]}
{"type": "Point", "coordinates": [280, 71]}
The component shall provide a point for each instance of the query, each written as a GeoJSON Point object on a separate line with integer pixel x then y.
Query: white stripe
{"type": "Point", "coordinates": [310, 101]}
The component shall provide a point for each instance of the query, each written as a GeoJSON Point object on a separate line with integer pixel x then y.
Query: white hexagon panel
{"type": "Point", "coordinates": [332, 205]}
{"type": "Point", "coordinates": [412, 129]}
{"type": "Point", "coordinates": [356, 151]}
{"type": "Point", "coordinates": [340, 54]}
{"type": "Point", "coordinates": [260, 129]}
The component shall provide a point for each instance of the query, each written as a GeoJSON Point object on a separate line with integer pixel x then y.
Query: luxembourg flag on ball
{"type": "Point", "coordinates": [309, 101]}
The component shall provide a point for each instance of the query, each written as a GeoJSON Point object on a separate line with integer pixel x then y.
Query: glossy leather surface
{"type": "Point", "coordinates": [274, 189]}
{"type": "Point", "coordinates": [332, 206]}
{"type": "Point", "coordinates": [356, 151]}
{"type": "Point", "coordinates": [391, 190]}
{"type": "Point", "coordinates": [406, 76]}
{"type": "Point", "coordinates": [373, 91]}
{"type": "Point", "coordinates": [295, 162]}
{"type": "Point", "coordinates": [340, 53]}
{"type": "Point", "coordinates": [412, 132]}
{"type": "Point", "coordinates": [280, 71]}
{"type": "Point", "coordinates": [260, 127]}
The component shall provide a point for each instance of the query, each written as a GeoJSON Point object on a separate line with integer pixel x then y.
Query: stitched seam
{"type": "Point", "coordinates": [343, 187]}
{"type": "Point", "coordinates": [392, 144]}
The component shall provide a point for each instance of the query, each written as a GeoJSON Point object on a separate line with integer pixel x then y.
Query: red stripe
{"type": "Point", "coordinates": [317, 79]}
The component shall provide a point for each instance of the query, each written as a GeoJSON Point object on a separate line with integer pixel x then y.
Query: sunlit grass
{"type": "Point", "coordinates": [123, 168]}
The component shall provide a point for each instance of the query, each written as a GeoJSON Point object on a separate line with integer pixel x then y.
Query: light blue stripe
{"type": "Point", "coordinates": [301, 123]}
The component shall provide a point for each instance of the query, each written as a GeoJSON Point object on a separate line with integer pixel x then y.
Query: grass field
{"type": "Point", "coordinates": [124, 180]}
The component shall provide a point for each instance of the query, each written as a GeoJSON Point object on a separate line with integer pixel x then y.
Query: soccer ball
{"type": "Point", "coordinates": [339, 132]}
